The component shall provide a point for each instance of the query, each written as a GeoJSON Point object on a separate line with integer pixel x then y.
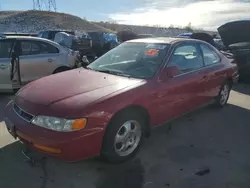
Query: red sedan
{"type": "Point", "coordinates": [108, 107]}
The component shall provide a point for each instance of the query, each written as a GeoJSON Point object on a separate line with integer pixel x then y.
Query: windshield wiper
{"type": "Point", "coordinates": [88, 68]}
{"type": "Point", "coordinates": [114, 72]}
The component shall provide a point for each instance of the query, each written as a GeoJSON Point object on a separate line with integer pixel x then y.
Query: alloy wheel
{"type": "Point", "coordinates": [127, 138]}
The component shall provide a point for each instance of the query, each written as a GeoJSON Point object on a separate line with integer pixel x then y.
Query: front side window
{"type": "Point", "coordinates": [209, 55]}
{"type": "Point", "coordinates": [5, 48]}
{"type": "Point", "coordinates": [138, 60]}
{"type": "Point", "coordinates": [187, 58]}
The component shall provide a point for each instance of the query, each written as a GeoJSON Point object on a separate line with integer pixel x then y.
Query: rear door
{"type": "Point", "coordinates": [6, 47]}
{"type": "Point", "coordinates": [212, 73]}
{"type": "Point", "coordinates": [37, 59]}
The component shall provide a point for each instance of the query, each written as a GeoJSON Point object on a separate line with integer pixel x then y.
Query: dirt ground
{"type": "Point", "coordinates": [212, 142]}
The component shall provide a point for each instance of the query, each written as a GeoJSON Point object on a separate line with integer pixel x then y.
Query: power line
{"type": "Point", "coordinates": [49, 5]}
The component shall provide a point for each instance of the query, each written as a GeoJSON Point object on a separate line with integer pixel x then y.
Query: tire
{"type": "Point", "coordinates": [223, 95]}
{"type": "Point", "coordinates": [130, 122]}
{"type": "Point", "coordinates": [15, 91]}
{"type": "Point", "coordinates": [61, 69]}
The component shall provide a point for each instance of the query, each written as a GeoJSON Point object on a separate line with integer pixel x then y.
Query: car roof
{"type": "Point", "coordinates": [26, 37]}
{"type": "Point", "coordinates": [30, 38]}
{"type": "Point", "coordinates": [163, 40]}
{"type": "Point", "coordinates": [57, 30]}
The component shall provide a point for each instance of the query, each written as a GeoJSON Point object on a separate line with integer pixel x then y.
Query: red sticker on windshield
{"type": "Point", "coordinates": [152, 52]}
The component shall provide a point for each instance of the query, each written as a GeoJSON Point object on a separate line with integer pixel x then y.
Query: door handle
{"type": "Point", "coordinates": [50, 60]}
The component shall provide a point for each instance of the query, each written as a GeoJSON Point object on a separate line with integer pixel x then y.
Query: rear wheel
{"type": "Point", "coordinates": [123, 137]}
{"type": "Point", "coordinates": [222, 98]}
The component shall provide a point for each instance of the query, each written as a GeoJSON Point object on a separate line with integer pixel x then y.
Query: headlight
{"type": "Point", "coordinates": [59, 124]}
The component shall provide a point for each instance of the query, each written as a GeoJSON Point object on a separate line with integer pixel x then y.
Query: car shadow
{"type": "Point", "coordinates": [4, 99]}
{"type": "Point", "coordinates": [207, 136]}
{"type": "Point", "coordinates": [242, 88]}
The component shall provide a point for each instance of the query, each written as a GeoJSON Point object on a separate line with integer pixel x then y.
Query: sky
{"type": "Point", "coordinates": [205, 14]}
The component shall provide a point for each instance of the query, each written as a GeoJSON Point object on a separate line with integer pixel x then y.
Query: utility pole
{"type": "Point", "coordinates": [52, 5]}
{"type": "Point", "coordinates": [49, 5]}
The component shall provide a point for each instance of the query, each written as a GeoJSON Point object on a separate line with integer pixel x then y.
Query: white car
{"type": "Point", "coordinates": [37, 58]}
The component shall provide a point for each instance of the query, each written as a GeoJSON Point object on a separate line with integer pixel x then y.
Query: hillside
{"type": "Point", "coordinates": [35, 21]}
{"type": "Point", "coordinates": [156, 31]}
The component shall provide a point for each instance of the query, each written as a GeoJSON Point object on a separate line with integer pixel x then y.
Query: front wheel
{"type": "Point", "coordinates": [61, 69]}
{"type": "Point", "coordinates": [123, 137]}
{"type": "Point", "coordinates": [222, 98]}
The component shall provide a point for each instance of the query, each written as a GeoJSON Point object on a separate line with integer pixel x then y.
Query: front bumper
{"type": "Point", "coordinates": [70, 146]}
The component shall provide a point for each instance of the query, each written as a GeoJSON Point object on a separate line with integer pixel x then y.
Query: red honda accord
{"type": "Point", "coordinates": [108, 107]}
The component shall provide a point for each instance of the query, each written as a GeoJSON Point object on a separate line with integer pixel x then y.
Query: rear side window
{"type": "Point", "coordinates": [37, 47]}
{"type": "Point", "coordinates": [5, 48]}
{"type": "Point", "coordinates": [46, 48]}
{"type": "Point", "coordinates": [209, 55]}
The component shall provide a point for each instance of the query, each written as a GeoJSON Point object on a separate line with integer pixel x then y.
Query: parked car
{"type": "Point", "coordinates": [199, 36]}
{"type": "Point", "coordinates": [217, 43]}
{"type": "Point", "coordinates": [145, 36]}
{"type": "Point", "coordinates": [76, 43]}
{"type": "Point", "coordinates": [24, 59]}
{"type": "Point", "coordinates": [184, 35]}
{"type": "Point", "coordinates": [102, 42]}
{"type": "Point", "coordinates": [126, 35]}
{"type": "Point", "coordinates": [236, 38]}
{"type": "Point", "coordinates": [50, 34]}
{"type": "Point", "coordinates": [108, 107]}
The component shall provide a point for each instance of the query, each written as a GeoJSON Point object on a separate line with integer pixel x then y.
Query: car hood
{"type": "Point", "coordinates": [235, 32]}
{"type": "Point", "coordinates": [91, 85]}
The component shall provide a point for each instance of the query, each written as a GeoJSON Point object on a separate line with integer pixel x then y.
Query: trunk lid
{"type": "Point", "coordinates": [235, 32]}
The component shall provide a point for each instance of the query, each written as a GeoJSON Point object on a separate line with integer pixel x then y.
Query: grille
{"type": "Point", "coordinates": [21, 113]}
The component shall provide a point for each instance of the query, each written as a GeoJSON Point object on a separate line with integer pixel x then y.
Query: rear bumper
{"type": "Point", "coordinates": [71, 147]}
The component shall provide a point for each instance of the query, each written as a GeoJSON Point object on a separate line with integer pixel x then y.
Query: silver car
{"type": "Point", "coordinates": [37, 58]}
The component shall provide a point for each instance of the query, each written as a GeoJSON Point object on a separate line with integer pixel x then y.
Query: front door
{"type": "Point", "coordinates": [37, 60]}
{"type": "Point", "coordinates": [6, 47]}
{"type": "Point", "coordinates": [184, 92]}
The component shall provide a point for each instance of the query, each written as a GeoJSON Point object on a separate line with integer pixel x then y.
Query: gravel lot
{"type": "Point", "coordinates": [213, 141]}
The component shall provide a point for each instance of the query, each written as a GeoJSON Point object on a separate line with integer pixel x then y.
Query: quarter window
{"type": "Point", "coordinates": [187, 58]}
{"type": "Point", "coordinates": [209, 55]}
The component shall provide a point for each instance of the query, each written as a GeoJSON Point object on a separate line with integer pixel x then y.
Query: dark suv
{"type": "Point", "coordinates": [102, 42]}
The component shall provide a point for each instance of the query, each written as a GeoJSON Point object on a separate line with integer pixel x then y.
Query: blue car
{"type": "Point", "coordinates": [185, 35]}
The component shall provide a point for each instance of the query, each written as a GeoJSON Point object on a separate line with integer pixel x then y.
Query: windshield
{"type": "Point", "coordinates": [138, 60]}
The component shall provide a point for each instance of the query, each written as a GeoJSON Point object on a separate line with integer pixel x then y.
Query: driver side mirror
{"type": "Point", "coordinates": [172, 71]}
